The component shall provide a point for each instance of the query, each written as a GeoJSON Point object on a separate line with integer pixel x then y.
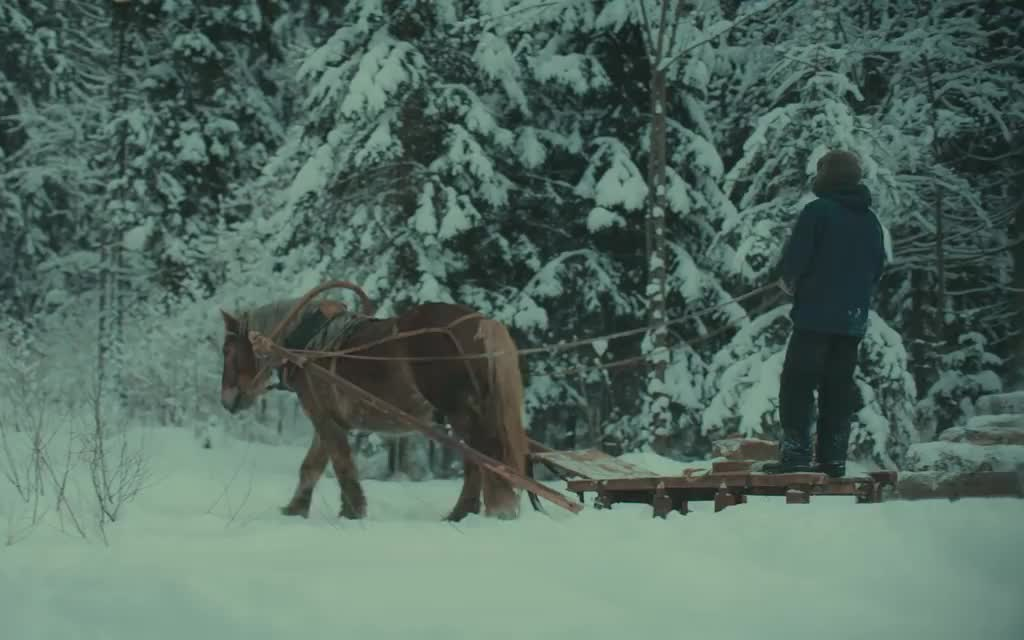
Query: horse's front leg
{"type": "Point", "coordinates": [353, 500]}
{"type": "Point", "coordinates": [312, 468]}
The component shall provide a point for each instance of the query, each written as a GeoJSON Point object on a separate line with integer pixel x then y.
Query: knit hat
{"type": "Point", "coordinates": [837, 170]}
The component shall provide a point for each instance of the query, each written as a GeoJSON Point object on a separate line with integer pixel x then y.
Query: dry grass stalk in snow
{"type": "Point", "coordinates": [117, 467]}
{"type": "Point", "coordinates": [29, 460]}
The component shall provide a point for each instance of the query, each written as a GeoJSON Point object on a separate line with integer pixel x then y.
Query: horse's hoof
{"type": "Point", "coordinates": [352, 513]}
{"type": "Point", "coordinates": [292, 510]}
{"type": "Point", "coordinates": [463, 509]}
{"type": "Point", "coordinates": [458, 515]}
{"type": "Point", "coordinates": [503, 512]}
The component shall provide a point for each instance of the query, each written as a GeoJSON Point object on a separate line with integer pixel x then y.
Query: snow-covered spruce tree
{"type": "Point", "coordinates": [425, 172]}
{"type": "Point", "coordinates": [60, 182]}
{"type": "Point", "coordinates": [1000, 164]}
{"type": "Point", "coordinates": [198, 115]}
{"type": "Point", "coordinates": [583, 271]}
{"type": "Point", "coordinates": [953, 104]}
{"type": "Point", "coordinates": [885, 424]}
{"type": "Point", "coordinates": [51, 97]}
{"type": "Point", "coordinates": [191, 120]}
{"type": "Point", "coordinates": [967, 372]}
{"type": "Point", "coordinates": [695, 201]}
{"type": "Point", "coordinates": [743, 397]}
{"type": "Point", "coordinates": [68, 180]}
{"type": "Point", "coordinates": [808, 77]}
{"type": "Point", "coordinates": [616, 185]}
{"type": "Point", "coordinates": [383, 169]}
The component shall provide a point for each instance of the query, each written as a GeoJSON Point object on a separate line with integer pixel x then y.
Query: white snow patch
{"type": "Point", "coordinates": [600, 218]}
{"type": "Point", "coordinates": [204, 553]}
{"type": "Point", "coordinates": [134, 239]}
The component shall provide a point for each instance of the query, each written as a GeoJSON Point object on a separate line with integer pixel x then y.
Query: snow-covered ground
{"type": "Point", "coordinates": [202, 553]}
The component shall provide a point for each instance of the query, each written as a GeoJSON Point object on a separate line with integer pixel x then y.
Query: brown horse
{"type": "Point", "coordinates": [481, 398]}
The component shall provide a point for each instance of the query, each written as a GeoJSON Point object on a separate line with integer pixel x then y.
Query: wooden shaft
{"type": "Point", "coordinates": [426, 428]}
{"type": "Point", "coordinates": [536, 447]}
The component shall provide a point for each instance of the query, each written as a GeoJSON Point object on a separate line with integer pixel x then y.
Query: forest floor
{"type": "Point", "coordinates": [203, 552]}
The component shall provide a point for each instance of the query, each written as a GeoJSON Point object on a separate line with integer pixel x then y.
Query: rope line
{"type": "Point", "coordinates": [351, 352]}
{"type": "Point", "coordinates": [642, 359]}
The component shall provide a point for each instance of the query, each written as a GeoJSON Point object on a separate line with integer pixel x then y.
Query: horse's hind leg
{"type": "Point", "coordinates": [500, 497]}
{"type": "Point", "coordinates": [312, 468]}
{"type": "Point", "coordinates": [469, 498]}
{"type": "Point", "coordinates": [353, 500]}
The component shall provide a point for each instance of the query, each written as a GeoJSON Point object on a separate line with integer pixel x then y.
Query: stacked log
{"type": "Point", "coordinates": [749, 449]}
{"type": "Point", "coordinates": [985, 457]}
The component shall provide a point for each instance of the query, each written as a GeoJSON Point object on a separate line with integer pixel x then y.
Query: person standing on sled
{"type": "Point", "coordinates": [831, 267]}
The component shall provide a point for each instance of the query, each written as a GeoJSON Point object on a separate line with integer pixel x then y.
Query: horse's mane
{"type": "Point", "coordinates": [265, 319]}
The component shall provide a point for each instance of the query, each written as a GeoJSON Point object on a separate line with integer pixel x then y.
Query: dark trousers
{"type": "Point", "coordinates": [822, 362]}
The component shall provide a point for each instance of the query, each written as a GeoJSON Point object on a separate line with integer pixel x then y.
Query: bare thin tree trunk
{"type": "Point", "coordinates": [657, 275]}
{"type": "Point", "coordinates": [660, 43]}
{"type": "Point", "coordinates": [939, 190]}
{"type": "Point", "coordinates": [117, 301]}
{"type": "Point", "coordinates": [1017, 348]}
{"type": "Point", "coordinates": [917, 331]}
{"type": "Point", "coordinates": [102, 326]}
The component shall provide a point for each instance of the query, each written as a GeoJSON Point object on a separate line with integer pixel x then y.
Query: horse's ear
{"type": "Point", "coordinates": [231, 323]}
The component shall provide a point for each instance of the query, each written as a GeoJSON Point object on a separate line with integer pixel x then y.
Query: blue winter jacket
{"type": "Point", "coordinates": [833, 262]}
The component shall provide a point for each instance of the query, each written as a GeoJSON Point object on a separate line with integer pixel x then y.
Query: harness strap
{"type": "Point", "coordinates": [311, 324]}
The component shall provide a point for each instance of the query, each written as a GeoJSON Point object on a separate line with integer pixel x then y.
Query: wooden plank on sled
{"type": "Point", "coordinates": [589, 463]}
{"type": "Point", "coordinates": [743, 481]}
{"type": "Point", "coordinates": [262, 343]}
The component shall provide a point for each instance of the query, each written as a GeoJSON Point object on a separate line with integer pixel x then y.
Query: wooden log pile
{"type": "Point", "coordinates": [984, 458]}
{"type": "Point", "coordinates": [749, 449]}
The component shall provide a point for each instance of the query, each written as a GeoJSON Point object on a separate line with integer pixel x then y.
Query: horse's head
{"type": "Point", "coordinates": [241, 381]}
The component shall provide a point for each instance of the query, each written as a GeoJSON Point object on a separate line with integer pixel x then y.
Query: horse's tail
{"type": "Point", "coordinates": [503, 402]}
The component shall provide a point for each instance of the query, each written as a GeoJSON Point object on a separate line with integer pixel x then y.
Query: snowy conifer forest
{"type": "Point", "coordinates": [575, 168]}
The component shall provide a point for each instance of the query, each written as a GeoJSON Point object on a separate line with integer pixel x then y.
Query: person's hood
{"type": "Point", "coordinates": [856, 198]}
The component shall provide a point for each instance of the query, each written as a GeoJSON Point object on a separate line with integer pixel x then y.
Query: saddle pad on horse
{"type": "Point", "coordinates": [320, 331]}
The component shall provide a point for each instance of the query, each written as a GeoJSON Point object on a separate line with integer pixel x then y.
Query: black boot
{"type": "Point", "coordinates": [784, 467]}
{"type": "Point", "coordinates": [831, 469]}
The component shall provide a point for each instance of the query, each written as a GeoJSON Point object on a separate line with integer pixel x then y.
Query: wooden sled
{"type": "Point", "coordinates": [727, 484]}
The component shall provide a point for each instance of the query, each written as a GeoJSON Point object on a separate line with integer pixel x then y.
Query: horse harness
{"type": "Point", "coordinates": [315, 322]}
{"type": "Point", "coordinates": [312, 325]}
